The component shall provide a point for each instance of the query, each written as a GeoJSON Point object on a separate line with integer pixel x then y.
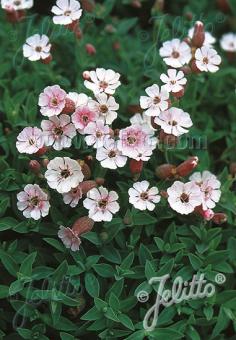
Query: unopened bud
{"type": "Point", "coordinates": [178, 94]}
{"type": "Point", "coordinates": [206, 214]}
{"type": "Point", "coordinates": [85, 169]}
{"type": "Point", "coordinates": [82, 225]}
{"type": "Point", "coordinates": [154, 125]}
{"type": "Point", "coordinates": [88, 5]}
{"type": "Point", "coordinates": [78, 33]}
{"type": "Point", "coordinates": [185, 168]}
{"type": "Point", "coordinates": [134, 108]}
{"type": "Point", "coordinates": [47, 60]}
{"type": "Point", "coordinates": [136, 167]}
{"type": "Point", "coordinates": [189, 16]}
{"type": "Point", "coordinates": [232, 169]}
{"type": "Point", "coordinates": [34, 166]}
{"type": "Point", "coordinates": [86, 75]}
{"type": "Point", "coordinates": [74, 26]}
{"type": "Point", "coordinates": [165, 171]}
{"type": "Point", "coordinates": [116, 45]}
{"type": "Point", "coordinates": [45, 162]}
{"type": "Point", "coordinates": [116, 133]}
{"type": "Point", "coordinates": [100, 181]}
{"type": "Point", "coordinates": [186, 69]}
{"type": "Point", "coordinates": [164, 194]}
{"type": "Point", "coordinates": [87, 185]}
{"type": "Point", "coordinates": [194, 67]}
{"type": "Point", "coordinates": [136, 4]}
{"type": "Point", "coordinates": [41, 151]}
{"type": "Point", "coordinates": [15, 16]}
{"type": "Point", "coordinates": [198, 34]}
{"type": "Point", "coordinates": [223, 5]}
{"type": "Point", "coordinates": [219, 218]}
{"type": "Point", "coordinates": [69, 106]}
{"type": "Point", "coordinates": [90, 49]}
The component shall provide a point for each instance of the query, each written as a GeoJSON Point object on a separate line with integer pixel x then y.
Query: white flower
{"type": "Point", "coordinates": [228, 42]}
{"type": "Point", "coordinates": [209, 39]}
{"type": "Point", "coordinates": [80, 99]}
{"type": "Point", "coordinates": [156, 101]}
{"type": "Point", "coordinates": [33, 201]}
{"type": "Point", "coordinates": [37, 47]}
{"type": "Point", "coordinates": [109, 156]}
{"type": "Point", "coordinates": [73, 196]}
{"type": "Point", "coordinates": [144, 120]}
{"type": "Point", "coordinates": [63, 174]}
{"type": "Point", "coordinates": [210, 188]}
{"type": "Point", "coordinates": [96, 132]}
{"type": "Point", "coordinates": [142, 197]}
{"type": "Point", "coordinates": [175, 80]}
{"type": "Point", "coordinates": [16, 5]}
{"type": "Point", "coordinates": [184, 197]}
{"type": "Point", "coordinates": [66, 11]}
{"type": "Point", "coordinates": [176, 53]}
{"type": "Point", "coordinates": [207, 59]}
{"type": "Point", "coordinates": [30, 140]}
{"type": "Point", "coordinates": [103, 80]}
{"type": "Point", "coordinates": [174, 121]}
{"type": "Point", "coordinates": [105, 107]}
{"type": "Point", "coordinates": [58, 131]}
{"type": "Point", "coordinates": [101, 204]}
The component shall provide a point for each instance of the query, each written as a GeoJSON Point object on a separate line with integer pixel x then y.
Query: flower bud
{"type": "Point", "coordinates": [15, 16]}
{"type": "Point", "coordinates": [219, 218]}
{"type": "Point", "coordinates": [69, 106]}
{"type": "Point", "coordinates": [85, 169]}
{"type": "Point", "coordinates": [90, 49]}
{"type": "Point", "coordinates": [194, 67]}
{"type": "Point", "coordinates": [134, 108]}
{"type": "Point", "coordinates": [87, 185]}
{"type": "Point", "coordinates": [185, 168]}
{"type": "Point", "coordinates": [186, 69]}
{"type": "Point", "coordinates": [88, 5]}
{"type": "Point", "coordinates": [206, 214]}
{"type": "Point", "coordinates": [100, 181]}
{"type": "Point", "coordinates": [198, 34]}
{"type": "Point", "coordinates": [116, 45]}
{"type": "Point", "coordinates": [178, 94]}
{"type": "Point", "coordinates": [78, 33]}
{"type": "Point", "coordinates": [164, 194]}
{"type": "Point", "coordinates": [136, 4]}
{"type": "Point", "coordinates": [34, 166]}
{"type": "Point", "coordinates": [165, 171]}
{"type": "Point", "coordinates": [74, 26]}
{"type": "Point", "coordinates": [82, 225]}
{"type": "Point", "coordinates": [116, 133]}
{"type": "Point", "coordinates": [154, 125]}
{"type": "Point", "coordinates": [86, 75]}
{"type": "Point", "coordinates": [45, 162]}
{"type": "Point", "coordinates": [41, 151]}
{"type": "Point", "coordinates": [223, 5]}
{"type": "Point", "coordinates": [47, 60]}
{"type": "Point", "coordinates": [232, 169]}
{"type": "Point", "coordinates": [189, 16]}
{"type": "Point", "coordinates": [167, 139]}
{"type": "Point", "coordinates": [135, 167]}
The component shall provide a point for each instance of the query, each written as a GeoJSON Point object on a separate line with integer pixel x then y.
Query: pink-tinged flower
{"type": "Point", "coordinates": [63, 174]}
{"type": "Point", "coordinates": [142, 197]}
{"type": "Point", "coordinates": [176, 53]}
{"type": "Point", "coordinates": [73, 196]}
{"type": "Point", "coordinates": [109, 156]}
{"type": "Point", "coordinates": [207, 59]}
{"type": "Point", "coordinates": [37, 47]}
{"type": "Point", "coordinates": [156, 101]}
{"type": "Point", "coordinates": [96, 132]}
{"type": "Point", "coordinates": [30, 140]}
{"type": "Point", "coordinates": [52, 101]}
{"type": "Point", "coordinates": [228, 42]}
{"type": "Point", "coordinates": [33, 201]}
{"type": "Point", "coordinates": [102, 80]}
{"type": "Point", "coordinates": [105, 106]}
{"type": "Point", "coordinates": [101, 204]}
{"type": "Point", "coordinates": [58, 131]}
{"type": "Point", "coordinates": [174, 121]}
{"type": "Point", "coordinates": [19, 5]}
{"type": "Point", "coordinates": [70, 236]}
{"type": "Point", "coordinates": [174, 80]}
{"type": "Point", "coordinates": [83, 114]}
{"type": "Point", "coordinates": [79, 99]}
{"type": "Point", "coordinates": [184, 197]}
{"type": "Point", "coordinates": [210, 188]}
{"type": "Point", "coordinates": [134, 140]}
{"type": "Point", "coordinates": [142, 119]}
{"type": "Point", "coordinates": [66, 11]}
{"type": "Point", "coordinates": [209, 39]}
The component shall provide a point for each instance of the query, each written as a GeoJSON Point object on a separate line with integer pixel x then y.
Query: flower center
{"type": "Point", "coordinates": [103, 203]}
{"type": "Point", "coordinates": [54, 101]}
{"type": "Point", "coordinates": [103, 85]}
{"type": "Point", "coordinates": [175, 54]}
{"type": "Point", "coordinates": [184, 198]}
{"type": "Point", "coordinates": [17, 3]}
{"type": "Point", "coordinates": [65, 173]}
{"type": "Point", "coordinates": [38, 49]}
{"type": "Point", "coordinates": [173, 82]}
{"type": "Point", "coordinates": [34, 201]}
{"type": "Point", "coordinates": [144, 195]}
{"type": "Point", "coordinates": [172, 123]}
{"type": "Point", "coordinates": [67, 13]}
{"type": "Point", "coordinates": [58, 131]}
{"type": "Point", "coordinates": [156, 100]}
{"type": "Point", "coordinates": [31, 141]}
{"type": "Point", "coordinates": [112, 154]}
{"type": "Point", "coordinates": [205, 60]}
{"type": "Point", "coordinates": [103, 108]}
{"type": "Point", "coordinates": [131, 139]}
{"type": "Point", "coordinates": [85, 119]}
{"type": "Point", "coordinates": [99, 134]}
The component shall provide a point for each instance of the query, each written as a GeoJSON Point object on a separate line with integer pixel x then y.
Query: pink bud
{"type": "Point", "coordinates": [194, 67]}
{"type": "Point", "coordinates": [166, 171]}
{"type": "Point", "coordinates": [206, 214]}
{"type": "Point", "coordinates": [15, 16]}
{"type": "Point", "coordinates": [86, 75]}
{"type": "Point", "coordinates": [45, 162]}
{"type": "Point", "coordinates": [136, 4]}
{"type": "Point", "coordinates": [87, 185]}
{"type": "Point", "coordinates": [85, 169]}
{"type": "Point", "coordinates": [90, 49]}
{"type": "Point", "coordinates": [82, 225]}
{"type": "Point", "coordinates": [41, 151]}
{"type": "Point", "coordinates": [34, 166]}
{"type": "Point", "coordinates": [47, 60]}
{"type": "Point", "coordinates": [135, 167]}
{"type": "Point", "coordinates": [116, 46]}
{"type": "Point", "coordinates": [198, 34]}
{"type": "Point", "coordinates": [232, 169]}
{"type": "Point", "coordinates": [219, 218]}
{"type": "Point", "coordinates": [178, 94]}
{"type": "Point", "coordinates": [185, 168]}
{"type": "Point", "coordinates": [73, 26]}
{"type": "Point", "coordinates": [99, 181]}
{"type": "Point", "coordinates": [69, 106]}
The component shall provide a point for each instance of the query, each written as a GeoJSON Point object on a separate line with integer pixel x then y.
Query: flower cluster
{"type": "Point", "coordinates": [67, 115]}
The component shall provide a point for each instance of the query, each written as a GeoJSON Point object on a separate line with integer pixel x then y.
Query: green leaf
{"type": "Point", "coordinates": [7, 223]}
{"type": "Point", "coordinates": [104, 270]}
{"type": "Point", "coordinates": [27, 264]}
{"type": "Point", "coordinates": [9, 263]}
{"type": "Point", "coordinates": [92, 285]}
{"type": "Point", "coordinates": [126, 321]}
